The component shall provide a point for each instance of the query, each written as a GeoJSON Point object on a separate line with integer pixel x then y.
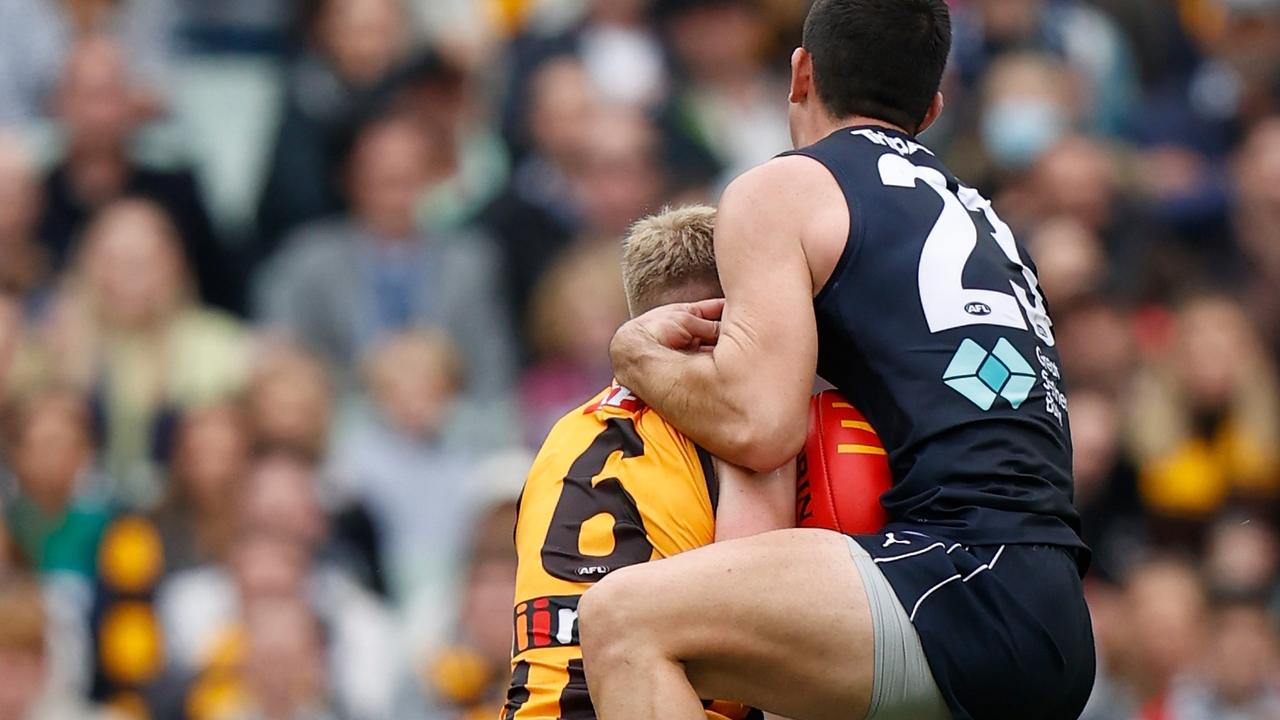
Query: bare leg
{"type": "Point", "coordinates": [779, 621]}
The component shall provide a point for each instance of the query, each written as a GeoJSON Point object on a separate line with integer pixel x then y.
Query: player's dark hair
{"type": "Point", "coordinates": [879, 58]}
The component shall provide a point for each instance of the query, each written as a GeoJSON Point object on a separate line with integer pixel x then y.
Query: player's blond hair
{"type": "Point", "coordinates": [670, 257]}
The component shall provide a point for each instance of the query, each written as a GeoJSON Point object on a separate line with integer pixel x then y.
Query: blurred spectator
{"type": "Point", "coordinates": [1193, 120]}
{"type": "Point", "coordinates": [1080, 179]}
{"type": "Point", "coordinates": [1242, 557]}
{"type": "Point", "coordinates": [1112, 699]}
{"type": "Point", "coordinates": [343, 285]}
{"type": "Point", "coordinates": [1077, 33]}
{"type": "Point", "coordinates": [538, 214]}
{"type": "Point", "coordinates": [1256, 224]}
{"type": "Point", "coordinates": [54, 521]}
{"type": "Point", "coordinates": [99, 116]}
{"type": "Point", "coordinates": [622, 178]}
{"type": "Point", "coordinates": [432, 613]}
{"type": "Point", "coordinates": [575, 311]}
{"type": "Point", "coordinates": [1077, 178]}
{"type": "Point", "coordinates": [1111, 512]}
{"type": "Point", "coordinates": [1206, 420]}
{"type": "Point", "coordinates": [24, 266]}
{"type": "Point", "coordinates": [352, 46]}
{"type": "Point", "coordinates": [271, 667]}
{"type": "Point", "coordinates": [210, 458]}
{"type": "Point", "coordinates": [725, 104]}
{"type": "Point", "coordinates": [1155, 30]}
{"type": "Point", "coordinates": [404, 454]}
{"type": "Point", "coordinates": [1070, 262]}
{"type": "Point", "coordinates": [36, 37]}
{"type": "Point", "coordinates": [622, 54]}
{"type": "Point", "coordinates": [283, 669]}
{"type": "Point", "coordinates": [1234, 84]}
{"type": "Point", "coordinates": [285, 494]}
{"type": "Point", "coordinates": [619, 49]}
{"type": "Point", "coordinates": [1237, 680]}
{"type": "Point", "coordinates": [288, 403]}
{"type": "Point", "coordinates": [1166, 610]}
{"type": "Point", "coordinates": [471, 676]}
{"type": "Point", "coordinates": [26, 688]}
{"type": "Point", "coordinates": [1029, 104]}
{"type": "Point", "coordinates": [609, 160]}
{"type": "Point", "coordinates": [281, 496]}
{"type": "Point", "coordinates": [194, 525]}
{"type": "Point", "coordinates": [1098, 347]}
{"type": "Point", "coordinates": [277, 556]}
{"type": "Point", "coordinates": [466, 163]}
{"type": "Point", "coordinates": [130, 330]}
{"type": "Point", "coordinates": [198, 607]}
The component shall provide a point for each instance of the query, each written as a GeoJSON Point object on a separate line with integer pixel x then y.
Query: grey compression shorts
{"type": "Point", "coordinates": [903, 688]}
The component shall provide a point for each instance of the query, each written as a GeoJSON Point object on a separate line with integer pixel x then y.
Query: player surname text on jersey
{"type": "Point", "coordinates": [900, 145]}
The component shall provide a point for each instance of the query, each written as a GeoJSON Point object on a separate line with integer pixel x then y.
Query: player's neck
{"type": "Point", "coordinates": [828, 125]}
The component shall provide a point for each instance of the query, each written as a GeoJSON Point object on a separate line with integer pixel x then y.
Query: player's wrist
{"type": "Point", "coordinates": [624, 353]}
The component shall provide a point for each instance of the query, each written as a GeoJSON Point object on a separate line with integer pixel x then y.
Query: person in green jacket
{"type": "Point", "coordinates": [50, 448]}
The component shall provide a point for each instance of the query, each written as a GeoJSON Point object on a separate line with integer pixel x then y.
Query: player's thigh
{"type": "Point", "coordinates": [779, 621]}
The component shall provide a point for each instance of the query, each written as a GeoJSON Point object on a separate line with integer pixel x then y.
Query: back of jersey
{"type": "Point", "coordinates": [933, 325]}
{"type": "Point", "coordinates": [614, 485]}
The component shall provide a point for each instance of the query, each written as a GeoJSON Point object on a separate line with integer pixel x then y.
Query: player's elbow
{"type": "Point", "coordinates": [763, 443]}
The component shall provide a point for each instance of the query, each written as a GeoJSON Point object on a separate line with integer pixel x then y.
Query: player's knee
{"type": "Point", "coordinates": [595, 628]}
{"type": "Point", "coordinates": [607, 615]}
{"type": "Point", "coordinates": [599, 609]}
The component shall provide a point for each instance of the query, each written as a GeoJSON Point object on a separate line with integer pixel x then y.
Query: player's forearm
{"type": "Point", "coordinates": [704, 394]}
{"type": "Point", "coordinates": [681, 386]}
{"type": "Point", "coordinates": [752, 503]}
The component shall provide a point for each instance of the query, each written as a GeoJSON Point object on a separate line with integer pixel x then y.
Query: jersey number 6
{"type": "Point", "coordinates": [582, 498]}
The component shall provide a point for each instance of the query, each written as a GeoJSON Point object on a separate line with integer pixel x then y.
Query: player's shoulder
{"type": "Point", "coordinates": [794, 171]}
{"type": "Point", "coordinates": [791, 198]}
{"type": "Point", "coordinates": [581, 420]}
{"type": "Point", "coordinates": [613, 419]}
{"type": "Point", "coordinates": [784, 191]}
{"type": "Point", "coordinates": [592, 416]}
{"type": "Point", "coordinates": [618, 404]}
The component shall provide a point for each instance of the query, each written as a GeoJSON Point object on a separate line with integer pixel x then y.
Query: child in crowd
{"type": "Point", "coordinates": [405, 453]}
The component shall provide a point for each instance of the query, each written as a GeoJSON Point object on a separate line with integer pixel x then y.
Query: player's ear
{"type": "Point", "coordinates": [801, 75]}
{"type": "Point", "coordinates": [935, 109]}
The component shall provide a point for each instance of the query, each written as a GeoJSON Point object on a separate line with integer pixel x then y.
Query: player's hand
{"type": "Point", "coordinates": [685, 326]}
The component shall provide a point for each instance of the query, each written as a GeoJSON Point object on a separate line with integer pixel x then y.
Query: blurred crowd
{"type": "Point", "coordinates": [290, 289]}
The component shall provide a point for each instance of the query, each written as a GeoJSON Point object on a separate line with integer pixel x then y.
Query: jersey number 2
{"type": "Point", "coordinates": [946, 301]}
{"type": "Point", "coordinates": [582, 498]}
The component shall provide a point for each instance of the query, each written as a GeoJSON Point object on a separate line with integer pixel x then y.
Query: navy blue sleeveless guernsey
{"type": "Point", "coordinates": [934, 326]}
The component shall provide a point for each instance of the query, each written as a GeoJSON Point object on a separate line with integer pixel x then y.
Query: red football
{"type": "Point", "coordinates": [843, 470]}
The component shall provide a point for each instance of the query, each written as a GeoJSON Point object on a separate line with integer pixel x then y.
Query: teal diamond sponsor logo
{"type": "Point", "coordinates": [983, 376]}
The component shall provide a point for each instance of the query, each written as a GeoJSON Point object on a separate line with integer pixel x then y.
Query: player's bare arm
{"type": "Point", "coordinates": [746, 400]}
{"type": "Point", "coordinates": [752, 503]}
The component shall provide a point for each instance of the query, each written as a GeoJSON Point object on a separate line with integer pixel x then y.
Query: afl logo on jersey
{"type": "Point", "coordinates": [977, 308]}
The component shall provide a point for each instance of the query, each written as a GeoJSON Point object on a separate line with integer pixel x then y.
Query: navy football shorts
{"type": "Point", "coordinates": [1005, 628]}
